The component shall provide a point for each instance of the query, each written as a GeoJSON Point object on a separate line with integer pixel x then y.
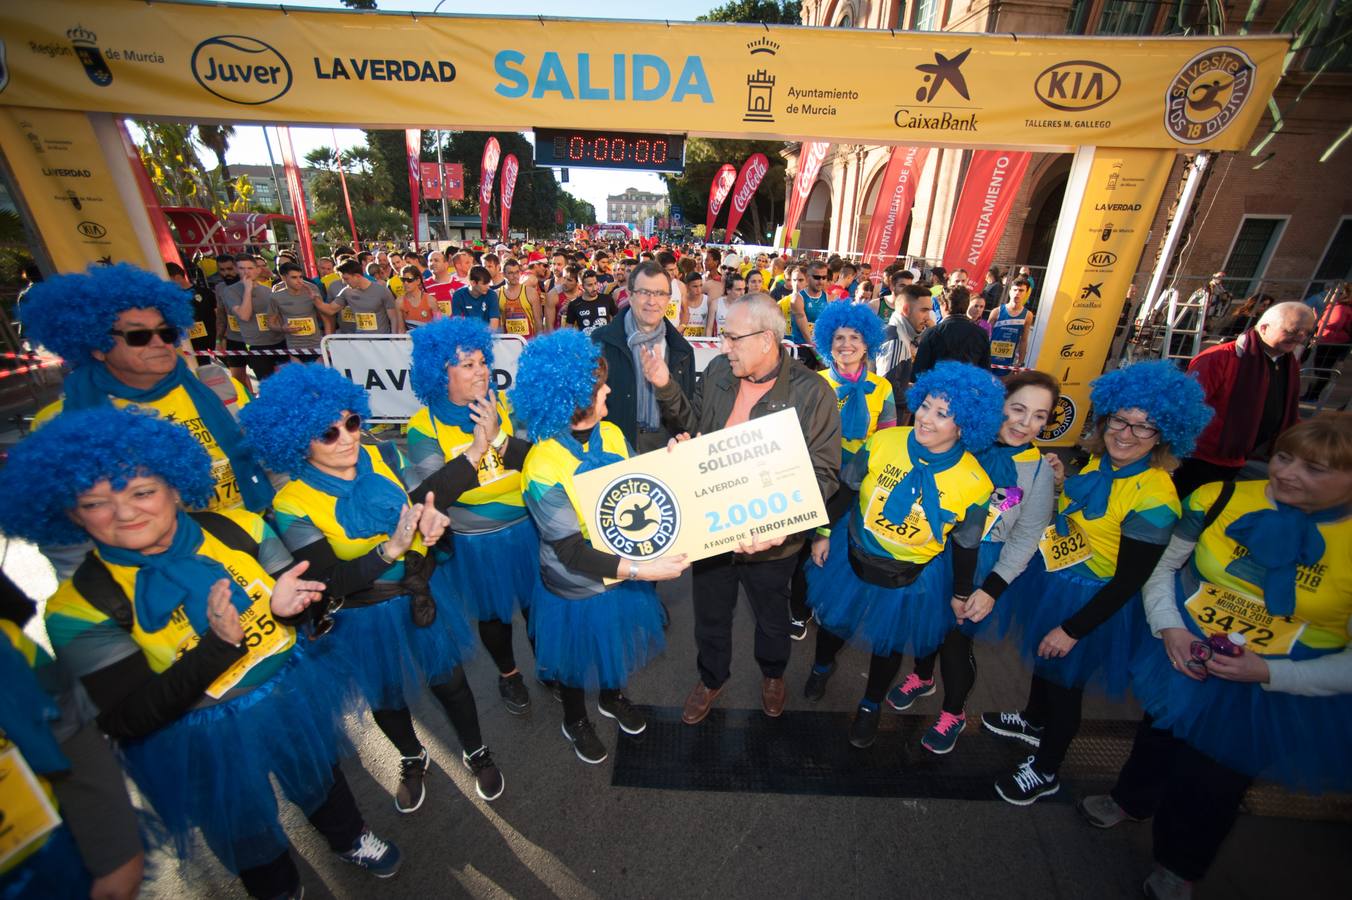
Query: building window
{"type": "Point", "coordinates": [1127, 16]}
{"type": "Point", "coordinates": [1337, 262]}
{"type": "Point", "coordinates": [926, 15]}
{"type": "Point", "coordinates": [1249, 254]}
{"type": "Point", "coordinates": [1078, 20]}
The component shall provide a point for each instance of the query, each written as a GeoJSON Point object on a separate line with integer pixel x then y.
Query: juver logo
{"type": "Point", "coordinates": [241, 69]}
{"type": "Point", "coordinates": [1208, 94]}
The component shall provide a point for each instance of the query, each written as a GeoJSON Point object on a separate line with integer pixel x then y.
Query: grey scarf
{"type": "Point", "coordinates": [648, 415]}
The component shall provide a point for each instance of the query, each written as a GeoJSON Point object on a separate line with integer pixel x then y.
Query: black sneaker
{"type": "Point", "coordinates": [1025, 785]}
{"type": "Point", "coordinates": [798, 628]}
{"type": "Point", "coordinates": [815, 688]}
{"type": "Point", "coordinates": [586, 744]}
{"type": "Point", "coordinates": [1012, 725]}
{"type": "Point", "coordinates": [380, 858]}
{"type": "Point", "coordinates": [488, 781]}
{"type": "Point", "coordinates": [631, 721]}
{"type": "Point", "coordinates": [864, 729]}
{"type": "Point", "coordinates": [554, 688]}
{"type": "Point", "coordinates": [411, 792]}
{"type": "Point", "coordinates": [515, 696]}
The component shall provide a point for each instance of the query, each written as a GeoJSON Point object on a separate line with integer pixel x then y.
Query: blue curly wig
{"type": "Point", "coordinates": [843, 314]}
{"type": "Point", "coordinates": [437, 345]}
{"type": "Point", "coordinates": [555, 377]}
{"type": "Point", "coordinates": [975, 398]}
{"type": "Point", "coordinates": [71, 315]}
{"type": "Point", "coordinates": [1173, 399]}
{"type": "Point", "coordinates": [52, 467]}
{"type": "Point", "coordinates": [294, 407]}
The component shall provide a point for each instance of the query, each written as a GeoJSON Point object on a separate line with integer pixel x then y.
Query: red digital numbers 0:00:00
{"type": "Point", "coordinates": [616, 149]}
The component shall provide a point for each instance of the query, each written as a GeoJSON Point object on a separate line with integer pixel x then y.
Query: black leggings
{"type": "Point", "coordinates": [497, 640]}
{"type": "Point", "coordinates": [958, 665]}
{"type": "Point", "coordinates": [337, 819]}
{"type": "Point", "coordinates": [1057, 710]}
{"type": "Point", "coordinates": [882, 670]}
{"type": "Point", "coordinates": [456, 698]}
{"type": "Point", "coordinates": [575, 702]}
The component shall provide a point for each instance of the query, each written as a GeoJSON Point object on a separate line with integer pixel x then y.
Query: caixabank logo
{"type": "Point", "coordinates": [241, 69]}
{"type": "Point", "coordinates": [1208, 94]}
{"type": "Point", "coordinates": [638, 516]}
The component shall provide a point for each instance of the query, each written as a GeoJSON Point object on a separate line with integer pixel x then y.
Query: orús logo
{"type": "Point", "coordinates": [241, 69]}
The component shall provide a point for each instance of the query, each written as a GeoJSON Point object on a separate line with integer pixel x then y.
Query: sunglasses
{"type": "Point", "coordinates": [352, 424]}
{"type": "Point", "coordinates": [140, 337]}
{"type": "Point", "coordinates": [324, 624]}
{"type": "Point", "coordinates": [409, 279]}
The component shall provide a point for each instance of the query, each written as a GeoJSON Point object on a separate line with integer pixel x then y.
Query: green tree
{"type": "Point", "coordinates": [360, 4]}
{"type": "Point", "coordinates": [771, 12]}
{"type": "Point", "coordinates": [216, 138]}
{"type": "Point", "coordinates": [370, 190]}
{"type": "Point", "coordinates": [704, 157]}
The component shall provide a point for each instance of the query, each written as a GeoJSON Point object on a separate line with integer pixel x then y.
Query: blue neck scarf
{"type": "Point", "coordinates": [854, 415]}
{"type": "Point", "coordinates": [26, 711]}
{"type": "Point", "coordinates": [1278, 540]}
{"type": "Point", "coordinates": [453, 414]}
{"type": "Point", "coordinates": [593, 456]}
{"type": "Point", "coordinates": [367, 505]}
{"type": "Point", "coordinates": [177, 577]}
{"type": "Point", "coordinates": [1089, 491]}
{"type": "Point", "coordinates": [90, 385]}
{"type": "Point", "coordinates": [919, 482]}
{"type": "Point", "coordinates": [998, 461]}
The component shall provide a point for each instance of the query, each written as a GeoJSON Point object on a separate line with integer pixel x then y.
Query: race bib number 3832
{"type": "Point", "coordinates": [1063, 551]}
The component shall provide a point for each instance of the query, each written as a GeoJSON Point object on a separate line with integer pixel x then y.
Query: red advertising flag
{"type": "Point", "coordinates": [296, 188]}
{"type": "Point", "coordinates": [810, 159]}
{"type": "Point", "coordinates": [718, 192]}
{"type": "Point", "coordinates": [507, 189]}
{"type": "Point", "coordinates": [753, 170]}
{"type": "Point", "coordinates": [983, 209]}
{"type": "Point", "coordinates": [896, 196]}
{"type": "Point", "coordinates": [413, 143]}
{"type": "Point", "coordinates": [431, 180]}
{"type": "Point", "coordinates": [487, 170]}
{"type": "Point", "coordinates": [453, 180]}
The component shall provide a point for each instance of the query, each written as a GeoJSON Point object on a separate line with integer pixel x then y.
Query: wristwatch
{"type": "Point", "coordinates": [633, 570]}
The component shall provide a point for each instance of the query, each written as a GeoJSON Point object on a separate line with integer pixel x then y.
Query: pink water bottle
{"type": "Point", "coordinates": [1231, 644]}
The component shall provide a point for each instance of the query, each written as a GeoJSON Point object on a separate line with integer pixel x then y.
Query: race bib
{"type": "Point", "coordinates": [26, 812]}
{"type": "Point", "coordinates": [674, 312]}
{"type": "Point", "coordinates": [518, 326]}
{"type": "Point", "coordinates": [262, 320]}
{"type": "Point", "coordinates": [491, 466]}
{"type": "Point", "coordinates": [232, 322]}
{"type": "Point", "coordinates": [227, 487]}
{"type": "Point", "coordinates": [198, 330]}
{"type": "Point", "coordinates": [367, 322]}
{"type": "Point", "coordinates": [1219, 610]}
{"type": "Point", "coordinates": [444, 306]}
{"type": "Point", "coordinates": [694, 331]}
{"type": "Point", "coordinates": [1002, 349]}
{"type": "Point", "coordinates": [1063, 552]}
{"type": "Point", "coordinates": [349, 315]}
{"type": "Point", "coordinates": [305, 326]}
{"type": "Point", "coordinates": [913, 531]}
{"type": "Point", "coordinates": [263, 637]}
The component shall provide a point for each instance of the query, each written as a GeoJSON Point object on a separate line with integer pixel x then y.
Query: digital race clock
{"type": "Point", "coordinates": [609, 150]}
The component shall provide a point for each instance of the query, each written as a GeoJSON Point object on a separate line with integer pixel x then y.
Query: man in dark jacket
{"type": "Point", "coordinates": [754, 377]}
{"type": "Point", "coordinates": [956, 337]}
{"type": "Point", "coordinates": [643, 325]}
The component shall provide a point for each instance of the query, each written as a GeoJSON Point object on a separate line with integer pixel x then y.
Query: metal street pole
{"type": "Point", "coordinates": [445, 215]}
{"type": "Point", "coordinates": [276, 185]}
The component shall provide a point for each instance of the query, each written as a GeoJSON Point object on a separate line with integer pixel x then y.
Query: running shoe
{"type": "Point", "coordinates": [555, 689]}
{"type": "Point", "coordinates": [1026, 785]}
{"type": "Point", "coordinates": [1163, 884]}
{"type": "Point", "coordinates": [1102, 811]}
{"type": "Point", "coordinates": [910, 690]}
{"type": "Point", "coordinates": [586, 744]}
{"type": "Point", "coordinates": [943, 734]}
{"type": "Point", "coordinates": [864, 728]}
{"type": "Point", "coordinates": [1012, 725]}
{"type": "Point", "coordinates": [411, 792]}
{"type": "Point", "coordinates": [630, 720]}
{"type": "Point", "coordinates": [815, 688]}
{"type": "Point", "coordinates": [515, 696]}
{"type": "Point", "coordinates": [798, 628]}
{"type": "Point", "coordinates": [488, 781]}
{"type": "Point", "coordinates": [380, 858]}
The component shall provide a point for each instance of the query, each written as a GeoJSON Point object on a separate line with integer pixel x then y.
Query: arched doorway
{"type": "Point", "coordinates": [1044, 210]}
{"type": "Point", "coordinates": [865, 217]}
{"type": "Point", "coordinates": [816, 225]}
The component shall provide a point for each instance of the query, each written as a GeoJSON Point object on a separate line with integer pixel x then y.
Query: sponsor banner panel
{"type": "Point", "coordinates": [893, 209]}
{"type": "Point", "coordinates": [1109, 236]}
{"type": "Point", "coordinates": [810, 159]}
{"type": "Point", "coordinates": [507, 190]}
{"type": "Point", "coordinates": [979, 219]}
{"type": "Point", "coordinates": [191, 61]}
{"type": "Point", "coordinates": [718, 192]}
{"type": "Point", "coordinates": [748, 180]}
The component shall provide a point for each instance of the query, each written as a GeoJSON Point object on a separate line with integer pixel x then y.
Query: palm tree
{"type": "Point", "coordinates": [216, 138]}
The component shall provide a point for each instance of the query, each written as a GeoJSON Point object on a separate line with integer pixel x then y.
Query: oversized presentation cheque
{"type": "Point", "coordinates": [707, 495]}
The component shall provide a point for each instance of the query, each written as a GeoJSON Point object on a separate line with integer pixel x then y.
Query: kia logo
{"type": "Point", "coordinates": [241, 69]}
{"type": "Point", "coordinates": [1079, 327]}
{"type": "Point", "coordinates": [1077, 85]}
{"type": "Point", "coordinates": [91, 230]}
{"type": "Point", "coordinates": [1102, 259]}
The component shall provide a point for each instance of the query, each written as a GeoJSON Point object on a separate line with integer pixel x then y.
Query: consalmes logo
{"type": "Point", "coordinates": [241, 69]}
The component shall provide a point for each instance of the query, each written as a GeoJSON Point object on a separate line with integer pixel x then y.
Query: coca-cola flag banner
{"type": "Point", "coordinates": [487, 170]}
{"type": "Point", "coordinates": [896, 196]}
{"type": "Point", "coordinates": [510, 167]}
{"type": "Point", "coordinates": [718, 192]}
{"type": "Point", "coordinates": [295, 187]}
{"type": "Point", "coordinates": [413, 144]}
{"type": "Point", "coordinates": [810, 158]}
{"type": "Point", "coordinates": [453, 180]}
{"type": "Point", "coordinates": [753, 170]}
{"type": "Point", "coordinates": [983, 209]}
{"type": "Point", "coordinates": [431, 180]}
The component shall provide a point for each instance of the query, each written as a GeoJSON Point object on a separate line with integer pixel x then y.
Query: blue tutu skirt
{"type": "Point", "coordinates": [1102, 658]}
{"type": "Point", "coordinates": [210, 770]}
{"type": "Point", "coordinates": [389, 659]}
{"type": "Point", "coordinates": [1303, 742]}
{"type": "Point", "coordinates": [54, 871]}
{"type": "Point", "coordinates": [995, 626]}
{"type": "Point", "coordinates": [599, 641]}
{"type": "Point", "coordinates": [490, 575]}
{"type": "Point", "coordinates": [912, 619]}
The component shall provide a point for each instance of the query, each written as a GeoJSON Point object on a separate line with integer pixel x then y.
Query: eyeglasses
{"type": "Point", "coordinates": [324, 624]}
{"type": "Point", "coordinates": [352, 424]}
{"type": "Point", "coordinates": [409, 279]}
{"type": "Point", "coordinates": [644, 292]}
{"type": "Point", "coordinates": [1142, 430]}
{"type": "Point", "coordinates": [140, 337]}
{"type": "Point", "coordinates": [734, 338]}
